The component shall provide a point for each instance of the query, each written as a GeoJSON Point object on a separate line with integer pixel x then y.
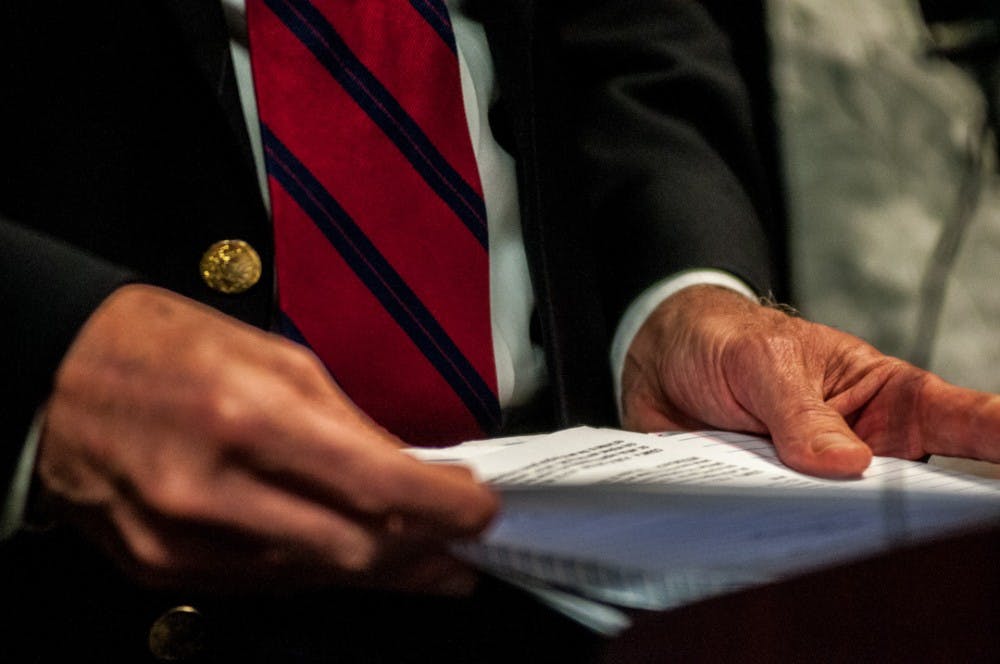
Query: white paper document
{"type": "Point", "coordinates": [656, 521]}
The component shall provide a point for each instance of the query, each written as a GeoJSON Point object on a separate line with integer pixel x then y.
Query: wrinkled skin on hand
{"type": "Point", "coordinates": [710, 358]}
{"type": "Point", "coordinates": [199, 451]}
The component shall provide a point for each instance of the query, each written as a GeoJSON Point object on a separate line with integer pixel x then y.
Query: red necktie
{"type": "Point", "coordinates": [379, 221]}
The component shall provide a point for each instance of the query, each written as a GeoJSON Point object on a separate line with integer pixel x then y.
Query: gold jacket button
{"type": "Point", "coordinates": [230, 266]}
{"type": "Point", "coordinates": [178, 635]}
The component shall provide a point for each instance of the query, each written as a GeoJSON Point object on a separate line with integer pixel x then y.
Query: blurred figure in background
{"type": "Point", "coordinates": [888, 113]}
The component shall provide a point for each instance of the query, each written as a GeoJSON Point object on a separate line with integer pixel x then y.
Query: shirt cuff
{"type": "Point", "coordinates": [650, 299]}
{"type": "Point", "coordinates": [16, 501]}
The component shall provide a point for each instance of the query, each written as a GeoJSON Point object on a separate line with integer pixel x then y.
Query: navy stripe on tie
{"type": "Point", "coordinates": [383, 281]}
{"type": "Point", "coordinates": [436, 14]}
{"type": "Point", "coordinates": [316, 33]}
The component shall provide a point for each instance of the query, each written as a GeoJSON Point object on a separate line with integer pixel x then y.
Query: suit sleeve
{"type": "Point", "coordinates": [667, 150]}
{"type": "Point", "coordinates": [48, 290]}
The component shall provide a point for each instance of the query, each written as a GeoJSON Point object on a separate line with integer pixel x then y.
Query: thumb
{"type": "Point", "coordinates": [813, 438]}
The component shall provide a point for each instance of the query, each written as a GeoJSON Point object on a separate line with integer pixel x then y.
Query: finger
{"type": "Point", "coordinates": [245, 535]}
{"type": "Point", "coordinates": [160, 553]}
{"type": "Point", "coordinates": [237, 531]}
{"type": "Point", "coordinates": [305, 449]}
{"type": "Point", "coordinates": [808, 434]}
{"type": "Point", "coordinates": [811, 437]}
{"type": "Point", "coordinates": [956, 421]}
{"type": "Point", "coordinates": [779, 378]}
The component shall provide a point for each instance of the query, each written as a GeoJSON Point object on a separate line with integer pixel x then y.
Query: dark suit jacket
{"type": "Point", "coordinates": [123, 156]}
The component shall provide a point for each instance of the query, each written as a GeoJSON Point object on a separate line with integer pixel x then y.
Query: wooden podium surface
{"type": "Point", "coordinates": [939, 602]}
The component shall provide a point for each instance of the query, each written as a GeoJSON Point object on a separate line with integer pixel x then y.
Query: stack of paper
{"type": "Point", "coordinates": [594, 517]}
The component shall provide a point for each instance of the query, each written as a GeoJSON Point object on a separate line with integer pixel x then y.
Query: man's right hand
{"type": "Point", "coordinates": [200, 451]}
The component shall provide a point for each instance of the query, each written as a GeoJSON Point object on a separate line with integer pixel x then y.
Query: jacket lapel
{"type": "Point", "coordinates": [202, 28]}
